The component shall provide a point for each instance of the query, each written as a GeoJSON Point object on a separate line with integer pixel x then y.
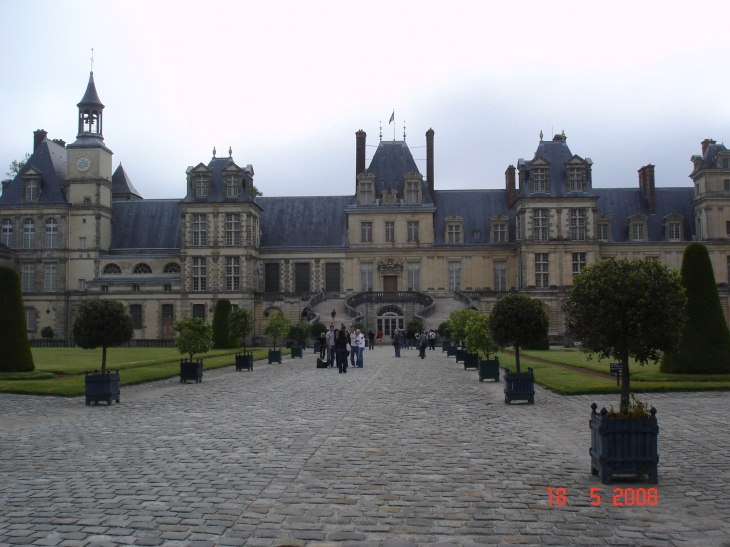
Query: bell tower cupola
{"type": "Point", "coordinates": [91, 113]}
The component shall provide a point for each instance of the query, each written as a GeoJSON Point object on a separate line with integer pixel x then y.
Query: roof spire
{"type": "Point", "coordinates": [381, 130]}
{"type": "Point", "coordinates": [92, 59]}
{"type": "Point", "coordinates": [540, 134]}
{"type": "Point", "coordinates": [230, 152]}
{"type": "Point", "coordinates": [404, 131]}
{"type": "Point", "coordinates": [214, 151]}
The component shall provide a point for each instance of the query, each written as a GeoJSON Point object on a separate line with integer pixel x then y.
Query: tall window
{"type": "Point", "coordinates": [82, 285]}
{"type": "Point", "coordinates": [602, 231]}
{"type": "Point", "coordinates": [454, 276]}
{"type": "Point", "coordinates": [7, 232]}
{"type": "Point", "coordinates": [30, 321]}
{"type": "Point", "coordinates": [233, 273]}
{"type": "Point", "coordinates": [637, 231]}
{"type": "Point", "coordinates": [332, 277]}
{"type": "Point", "coordinates": [366, 193]}
{"type": "Point", "coordinates": [500, 275]}
{"type": "Point", "coordinates": [727, 184]}
{"type": "Point", "coordinates": [674, 231]}
{"type": "Point", "coordinates": [366, 232]}
{"type": "Point", "coordinates": [27, 277]}
{"type": "Point", "coordinates": [453, 233]}
{"type": "Point", "coordinates": [579, 262]}
{"type": "Point", "coordinates": [578, 224]}
{"type": "Point", "coordinates": [233, 186]}
{"type": "Point", "coordinates": [51, 233]}
{"type": "Point", "coordinates": [389, 232]}
{"type": "Point", "coordinates": [540, 227]}
{"type": "Point", "coordinates": [366, 276]}
{"type": "Point", "coordinates": [541, 270]}
{"type": "Point", "coordinates": [32, 189]}
{"type": "Point", "coordinates": [200, 230]}
{"type": "Point", "coordinates": [301, 277]}
{"type": "Point", "coordinates": [28, 233]}
{"type": "Point", "coordinates": [576, 179]}
{"type": "Point", "coordinates": [412, 192]}
{"type": "Point", "coordinates": [413, 231]}
{"type": "Point", "coordinates": [233, 230]}
{"type": "Point", "coordinates": [82, 243]}
{"type": "Point", "coordinates": [202, 186]}
{"type": "Point", "coordinates": [539, 177]}
{"type": "Point", "coordinates": [500, 232]}
{"type": "Point", "coordinates": [51, 277]}
{"type": "Point", "coordinates": [271, 277]}
{"type": "Point", "coordinates": [135, 310]}
{"type": "Point", "coordinates": [199, 273]}
{"type": "Point", "coordinates": [414, 276]}
{"type": "Point", "coordinates": [199, 311]}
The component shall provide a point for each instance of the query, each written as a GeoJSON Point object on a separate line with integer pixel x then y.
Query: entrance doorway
{"type": "Point", "coordinates": [390, 283]}
{"type": "Point", "coordinates": [389, 319]}
{"type": "Point", "coordinates": [167, 322]}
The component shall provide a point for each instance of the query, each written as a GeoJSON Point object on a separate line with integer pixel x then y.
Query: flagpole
{"type": "Point", "coordinates": [394, 125]}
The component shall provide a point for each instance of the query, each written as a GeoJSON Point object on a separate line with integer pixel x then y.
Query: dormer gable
{"type": "Point", "coordinates": [412, 192]}
{"type": "Point", "coordinates": [577, 174]}
{"type": "Point", "coordinates": [31, 191]}
{"type": "Point", "coordinates": [539, 175]}
{"type": "Point", "coordinates": [199, 181]}
{"type": "Point", "coordinates": [365, 188]}
{"type": "Point", "coordinates": [233, 184]}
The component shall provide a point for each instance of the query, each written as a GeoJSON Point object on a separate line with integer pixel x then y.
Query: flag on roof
{"type": "Point", "coordinates": [392, 118]}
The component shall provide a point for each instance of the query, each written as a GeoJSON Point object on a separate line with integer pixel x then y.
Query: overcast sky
{"type": "Point", "coordinates": [287, 84]}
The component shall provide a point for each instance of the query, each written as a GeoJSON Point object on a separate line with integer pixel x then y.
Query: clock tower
{"type": "Point", "coordinates": [88, 190]}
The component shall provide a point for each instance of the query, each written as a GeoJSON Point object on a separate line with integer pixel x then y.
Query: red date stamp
{"type": "Point", "coordinates": [622, 497]}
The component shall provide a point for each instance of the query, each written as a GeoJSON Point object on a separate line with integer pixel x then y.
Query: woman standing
{"type": "Point", "coordinates": [397, 342]}
{"type": "Point", "coordinates": [341, 351]}
{"type": "Point", "coordinates": [322, 345]}
{"type": "Point", "coordinates": [380, 338]}
{"type": "Point", "coordinates": [422, 342]}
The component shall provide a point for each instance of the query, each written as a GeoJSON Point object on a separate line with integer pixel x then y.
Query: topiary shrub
{"type": "Point", "coordinates": [517, 320]}
{"type": "Point", "coordinates": [414, 325]}
{"type": "Point", "coordinates": [194, 336]}
{"type": "Point", "coordinates": [443, 331]}
{"type": "Point", "coordinates": [47, 333]}
{"type": "Point", "coordinates": [317, 328]}
{"type": "Point", "coordinates": [240, 325]}
{"type": "Point", "coordinates": [15, 355]}
{"type": "Point", "coordinates": [104, 324]}
{"type": "Point", "coordinates": [221, 337]}
{"type": "Point", "coordinates": [704, 345]}
{"type": "Point", "coordinates": [359, 325]}
{"type": "Point", "coordinates": [277, 327]}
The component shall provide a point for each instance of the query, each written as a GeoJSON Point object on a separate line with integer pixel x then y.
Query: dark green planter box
{"type": "Point", "coordinates": [460, 353]}
{"type": "Point", "coordinates": [623, 446]}
{"type": "Point", "coordinates": [274, 356]}
{"type": "Point", "coordinates": [244, 360]}
{"type": "Point", "coordinates": [289, 344]}
{"type": "Point", "coordinates": [191, 370]}
{"type": "Point", "coordinates": [102, 387]}
{"type": "Point", "coordinates": [445, 347]}
{"type": "Point", "coordinates": [302, 344]}
{"type": "Point", "coordinates": [296, 352]}
{"type": "Point", "coordinates": [317, 348]}
{"type": "Point", "coordinates": [471, 360]}
{"type": "Point", "coordinates": [489, 369]}
{"type": "Point", "coordinates": [519, 387]}
{"type": "Point", "coordinates": [450, 351]}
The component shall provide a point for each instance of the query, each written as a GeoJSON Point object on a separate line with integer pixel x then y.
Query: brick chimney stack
{"type": "Point", "coordinates": [38, 137]}
{"type": "Point", "coordinates": [647, 185]}
{"type": "Point", "coordinates": [360, 137]}
{"type": "Point", "coordinates": [509, 179]}
{"type": "Point", "coordinates": [429, 164]}
{"type": "Point", "coordinates": [705, 145]}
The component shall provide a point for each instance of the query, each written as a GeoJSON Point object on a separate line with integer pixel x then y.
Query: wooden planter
{"type": "Point", "coordinates": [519, 387]}
{"type": "Point", "coordinates": [244, 360]}
{"type": "Point", "coordinates": [623, 446]}
{"type": "Point", "coordinates": [191, 370]}
{"type": "Point", "coordinates": [451, 351]}
{"type": "Point", "coordinates": [471, 360]}
{"type": "Point", "coordinates": [317, 348]}
{"type": "Point", "coordinates": [289, 344]}
{"type": "Point", "coordinates": [302, 344]}
{"type": "Point", "coordinates": [296, 352]}
{"type": "Point", "coordinates": [102, 387]}
{"type": "Point", "coordinates": [445, 347]}
{"type": "Point", "coordinates": [460, 353]}
{"type": "Point", "coordinates": [274, 356]}
{"type": "Point", "coordinates": [489, 369]}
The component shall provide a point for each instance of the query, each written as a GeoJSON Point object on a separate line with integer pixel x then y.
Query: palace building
{"type": "Point", "coordinates": [76, 228]}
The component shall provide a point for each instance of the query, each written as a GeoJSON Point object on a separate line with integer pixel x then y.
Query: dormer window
{"type": "Point", "coordinates": [454, 230]}
{"type": "Point", "coordinates": [233, 186]}
{"type": "Point", "coordinates": [637, 227]}
{"type": "Point", "coordinates": [673, 227]}
{"type": "Point", "coordinates": [31, 185]}
{"type": "Point", "coordinates": [201, 183]}
{"type": "Point", "coordinates": [412, 188]}
{"type": "Point", "coordinates": [412, 192]}
{"type": "Point", "coordinates": [576, 179]}
{"type": "Point", "coordinates": [366, 193]}
{"type": "Point", "coordinates": [539, 178]}
{"type": "Point", "coordinates": [500, 233]}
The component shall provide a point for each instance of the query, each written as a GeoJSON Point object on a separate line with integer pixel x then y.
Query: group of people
{"type": "Point", "coordinates": [423, 339]}
{"type": "Point", "coordinates": [338, 344]}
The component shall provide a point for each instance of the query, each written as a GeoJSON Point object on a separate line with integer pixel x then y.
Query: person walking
{"type": "Point", "coordinates": [360, 338]}
{"type": "Point", "coordinates": [322, 345]}
{"type": "Point", "coordinates": [341, 349]}
{"type": "Point", "coordinates": [333, 314]}
{"type": "Point", "coordinates": [380, 338]}
{"type": "Point", "coordinates": [397, 342]}
{"type": "Point", "coordinates": [431, 340]}
{"type": "Point", "coordinates": [409, 339]}
{"type": "Point", "coordinates": [371, 339]}
{"type": "Point", "coordinates": [351, 339]}
{"type": "Point", "coordinates": [330, 337]}
{"type": "Point", "coordinates": [422, 343]}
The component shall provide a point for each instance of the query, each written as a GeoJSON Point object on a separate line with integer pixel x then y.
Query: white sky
{"type": "Point", "coordinates": [287, 84]}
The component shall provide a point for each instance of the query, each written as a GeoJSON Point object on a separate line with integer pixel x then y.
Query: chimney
{"type": "Point", "coordinates": [705, 145]}
{"type": "Point", "coordinates": [38, 137]}
{"type": "Point", "coordinates": [509, 179]}
{"type": "Point", "coordinates": [647, 185]}
{"type": "Point", "coordinates": [60, 142]}
{"type": "Point", "coordinates": [360, 151]}
{"type": "Point", "coordinates": [429, 164]}
{"type": "Point", "coordinates": [5, 184]}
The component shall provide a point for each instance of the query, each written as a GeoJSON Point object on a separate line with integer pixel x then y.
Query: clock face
{"type": "Point", "coordinates": [83, 164]}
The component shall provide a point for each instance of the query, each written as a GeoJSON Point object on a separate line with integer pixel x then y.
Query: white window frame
{"type": "Point", "coordinates": [199, 273]}
{"type": "Point", "coordinates": [414, 276]}
{"type": "Point", "coordinates": [7, 232]}
{"type": "Point", "coordinates": [578, 224]}
{"type": "Point", "coordinates": [233, 229]}
{"type": "Point", "coordinates": [234, 187]}
{"type": "Point", "coordinates": [366, 276]}
{"type": "Point", "coordinates": [27, 277]}
{"type": "Point", "coordinates": [412, 231]}
{"type": "Point", "coordinates": [541, 224]}
{"type": "Point", "coordinates": [51, 277]}
{"type": "Point", "coordinates": [542, 270]}
{"type": "Point", "coordinates": [28, 233]}
{"type": "Point", "coordinates": [579, 262]}
{"type": "Point", "coordinates": [500, 275]}
{"type": "Point", "coordinates": [389, 231]}
{"type": "Point", "coordinates": [602, 227]}
{"type": "Point", "coordinates": [201, 184]}
{"type": "Point", "coordinates": [454, 275]}
{"type": "Point", "coordinates": [366, 232]}
{"type": "Point", "coordinates": [539, 177]}
{"type": "Point", "coordinates": [576, 179]}
{"type": "Point", "coordinates": [233, 273]}
{"type": "Point", "coordinates": [200, 230]}
{"type": "Point", "coordinates": [51, 233]}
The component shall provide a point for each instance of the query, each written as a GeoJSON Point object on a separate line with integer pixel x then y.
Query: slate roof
{"type": "Point", "coordinates": [709, 160]}
{"type": "Point", "coordinates": [304, 222]}
{"type": "Point", "coordinates": [50, 159]}
{"type": "Point", "coordinates": [391, 161]}
{"type": "Point", "coordinates": [557, 153]}
{"type": "Point", "coordinates": [146, 224]}
{"type": "Point", "coordinates": [121, 183]}
{"type": "Point", "coordinates": [91, 97]}
{"type": "Point", "coordinates": [216, 165]}
{"type": "Point", "coordinates": [475, 207]}
{"type": "Point", "coordinates": [622, 203]}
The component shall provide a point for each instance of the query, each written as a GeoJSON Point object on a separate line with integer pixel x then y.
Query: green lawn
{"type": "Point", "coordinates": [60, 371]}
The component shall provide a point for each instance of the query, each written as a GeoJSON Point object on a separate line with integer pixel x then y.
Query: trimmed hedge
{"type": "Point", "coordinates": [704, 346]}
{"type": "Point", "coordinates": [221, 337]}
{"type": "Point", "coordinates": [15, 355]}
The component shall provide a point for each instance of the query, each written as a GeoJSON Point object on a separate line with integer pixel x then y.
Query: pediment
{"type": "Point", "coordinates": [367, 176]}
{"type": "Point", "coordinates": [604, 218]}
{"type": "Point", "coordinates": [31, 172]}
{"type": "Point", "coordinates": [412, 175]}
{"type": "Point", "coordinates": [454, 218]}
{"type": "Point", "coordinates": [201, 168]}
{"type": "Point", "coordinates": [389, 197]}
{"type": "Point", "coordinates": [637, 218]}
{"type": "Point", "coordinates": [673, 216]}
{"type": "Point", "coordinates": [576, 160]}
{"type": "Point", "coordinates": [539, 161]}
{"type": "Point", "coordinates": [232, 168]}
{"type": "Point", "coordinates": [499, 218]}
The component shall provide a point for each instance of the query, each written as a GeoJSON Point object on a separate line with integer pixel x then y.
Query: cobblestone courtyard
{"type": "Point", "coordinates": [403, 452]}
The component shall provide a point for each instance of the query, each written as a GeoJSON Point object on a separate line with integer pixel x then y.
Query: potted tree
{"type": "Point", "coordinates": [626, 309]}
{"type": "Point", "coordinates": [479, 341]}
{"type": "Point", "coordinates": [195, 336]}
{"type": "Point", "coordinates": [15, 354]}
{"type": "Point", "coordinates": [102, 323]}
{"type": "Point", "coordinates": [298, 332]}
{"type": "Point", "coordinates": [457, 328]}
{"type": "Point", "coordinates": [316, 329]}
{"type": "Point", "coordinates": [444, 334]}
{"type": "Point", "coordinates": [240, 325]}
{"type": "Point", "coordinates": [518, 320]}
{"type": "Point", "coordinates": [277, 327]}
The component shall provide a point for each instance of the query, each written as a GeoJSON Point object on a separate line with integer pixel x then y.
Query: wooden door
{"type": "Point", "coordinates": [390, 283]}
{"type": "Point", "coordinates": [167, 333]}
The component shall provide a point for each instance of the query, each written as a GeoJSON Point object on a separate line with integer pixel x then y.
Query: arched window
{"type": "Point", "coordinates": [172, 267]}
{"type": "Point", "coordinates": [389, 319]}
{"type": "Point", "coordinates": [28, 233]}
{"type": "Point", "coordinates": [7, 233]}
{"type": "Point", "coordinates": [51, 233]}
{"type": "Point", "coordinates": [112, 269]}
{"type": "Point", "coordinates": [142, 268]}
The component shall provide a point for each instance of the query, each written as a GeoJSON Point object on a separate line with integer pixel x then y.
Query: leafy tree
{"type": "Point", "coordinates": [15, 355]}
{"type": "Point", "coordinates": [443, 331]}
{"type": "Point", "coordinates": [194, 336]}
{"type": "Point", "coordinates": [359, 325]}
{"type": "Point", "coordinates": [102, 323]}
{"type": "Point", "coordinates": [299, 331]}
{"type": "Point", "coordinates": [415, 325]}
{"type": "Point", "coordinates": [457, 323]}
{"type": "Point", "coordinates": [517, 320]}
{"type": "Point", "coordinates": [317, 328]}
{"type": "Point", "coordinates": [278, 326]}
{"type": "Point", "coordinates": [623, 309]}
{"type": "Point", "coordinates": [704, 346]}
{"type": "Point", "coordinates": [478, 337]}
{"type": "Point", "coordinates": [47, 333]}
{"type": "Point", "coordinates": [221, 337]}
{"type": "Point", "coordinates": [17, 166]}
{"type": "Point", "coordinates": [240, 324]}
{"type": "Point", "coordinates": [257, 192]}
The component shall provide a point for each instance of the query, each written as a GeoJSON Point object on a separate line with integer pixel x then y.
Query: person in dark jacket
{"type": "Point", "coordinates": [322, 345]}
{"type": "Point", "coordinates": [422, 343]}
{"type": "Point", "coordinates": [397, 341]}
{"type": "Point", "coordinates": [371, 339]}
{"type": "Point", "coordinates": [341, 350]}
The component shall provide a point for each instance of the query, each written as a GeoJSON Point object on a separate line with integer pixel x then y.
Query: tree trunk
{"type": "Point", "coordinates": [103, 359]}
{"type": "Point", "coordinates": [517, 358]}
{"type": "Point", "coordinates": [625, 381]}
